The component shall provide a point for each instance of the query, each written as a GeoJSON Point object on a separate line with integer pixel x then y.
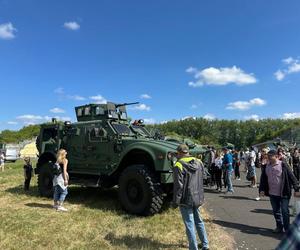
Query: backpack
{"type": "Point", "coordinates": [56, 169]}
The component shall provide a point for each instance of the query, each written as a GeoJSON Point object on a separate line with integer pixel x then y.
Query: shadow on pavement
{"type": "Point", "coordinates": [262, 211]}
{"type": "Point", "coordinates": [241, 186]}
{"type": "Point", "coordinates": [236, 197]}
{"type": "Point", "coordinates": [248, 229]}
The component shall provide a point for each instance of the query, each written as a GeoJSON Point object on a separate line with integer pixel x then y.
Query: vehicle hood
{"type": "Point", "coordinates": [169, 146]}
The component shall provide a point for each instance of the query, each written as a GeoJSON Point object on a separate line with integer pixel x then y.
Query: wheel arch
{"type": "Point", "coordinates": [137, 156]}
{"type": "Point", "coordinates": [44, 158]}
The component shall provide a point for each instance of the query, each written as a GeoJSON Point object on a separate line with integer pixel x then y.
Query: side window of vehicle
{"type": "Point", "coordinates": [98, 134]}
{"type": "Point", "coordinates": [79, 112]}
{"type": "Point", "coordinates": [87, 111]}
{"type": "Point", "coordinates": [99, 111]}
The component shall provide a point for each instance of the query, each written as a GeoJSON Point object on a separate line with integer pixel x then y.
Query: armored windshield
{"type": "Point", "coordinates": [141, 130]}
{"type": "Point", "coordinates": [122, 129]}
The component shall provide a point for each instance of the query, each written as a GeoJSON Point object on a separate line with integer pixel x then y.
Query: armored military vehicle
{"type": "Point", "coordinates": [105, 150]}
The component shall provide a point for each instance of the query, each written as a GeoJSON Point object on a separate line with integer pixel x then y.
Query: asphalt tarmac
{"type": "Point", "coordinates": [249, 221]}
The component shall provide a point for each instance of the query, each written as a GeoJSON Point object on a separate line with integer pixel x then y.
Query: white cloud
{"type": "Point", "coordinates": [65, 118]}
{"type": "Point", "coordinates": [164, 122]}
{"type": "Point", "coordinates": [252, 117]}
{"type": "Point", "coordinates": [57, 110]}
{"type": "Point", "coordinates": [145, 96]}
{"type": "Point", "coordinates": [293, 66]}
{"type": "Point", "coordinates": [76, 97]}
{"type": "Point", "coordinates": [7, 31]}
{"type": "Point", "coordinates": [59, 91]}
{"type": "Point", "coordinates": [219, 77]}
{"type": "Point", "coordinates": [245, 105]}
{"type": "Point", "coordinates": [12, 123]}
{"type": "Point", "coordinates": [149, 121]}
{"type": "Point", "coordinates": [30, 117]}
{"type": "Point", "coordinates": [209, 117]}
{"type": "Point", "coordinates": [141, 107]}
{"type": "Point", "coordinates": [188, 117]}
{"type": "Point", "coordinates": [72, 25]}
{"type": "Point", "coordinates": [99, 99]}
{"type": "Point", "coordinates": [194, 106]}
{"type": "Point", "coordinates": [36, 119]}
{"type": "Point", "coordinates": [291, 115]}
{"type": "Point", "coordinates": [279, 75]}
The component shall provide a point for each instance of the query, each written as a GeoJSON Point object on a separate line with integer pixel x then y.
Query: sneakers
{"type": "Point", "coordinates": [201, 247]}
{"type": "Point", "coordinates": [55, 206]}
{"type": "Point", "coordinates": [60, 208]}
{"type": "Point", "coordinates": [277, 230]}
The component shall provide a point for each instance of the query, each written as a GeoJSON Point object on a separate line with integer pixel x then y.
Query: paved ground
{"type": "Point", "coordinates": [249, 221]}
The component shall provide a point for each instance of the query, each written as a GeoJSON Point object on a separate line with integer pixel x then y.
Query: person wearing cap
{"type": "Point", "coordinates": [189, 195]}
{"type": "Point", "coordinates": [227, 162]}
{"type": "Point", "coordinates": [296, 163]}
{"type": "Point", "coordinates": [276, 182]}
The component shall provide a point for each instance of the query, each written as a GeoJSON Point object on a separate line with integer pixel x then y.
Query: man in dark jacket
{"type": "Point", "coordinates": [188, 195]}
{"type": "Point", "coordinates": [276, 182]}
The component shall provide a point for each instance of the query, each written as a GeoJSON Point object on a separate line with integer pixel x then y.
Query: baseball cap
{"type": "Point", "coordinates": [183, 148]}
{"type": "Point", "coordinates": [272, 152]}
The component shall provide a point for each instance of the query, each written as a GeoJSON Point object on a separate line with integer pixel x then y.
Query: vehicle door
{"type": "Point", "coordinates": [99, 149]}
{"type": "Point", "coordinates": [73, 142]}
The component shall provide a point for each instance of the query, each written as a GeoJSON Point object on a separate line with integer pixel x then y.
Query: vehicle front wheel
{"type": "Point", "coordinates": [139, 192]}
{"type": "Point", "coordinates": [45, 178]}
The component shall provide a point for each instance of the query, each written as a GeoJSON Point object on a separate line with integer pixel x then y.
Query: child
{"type": "Point", "coordinates": [28, 173]}
{"type": "Point", "coordinates": [2, 158]}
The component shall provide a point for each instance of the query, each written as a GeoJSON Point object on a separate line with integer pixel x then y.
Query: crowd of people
{"type": "Point", "coordinates": [223, 165]}
{"type": "Point", "coordinates": [280, 173]}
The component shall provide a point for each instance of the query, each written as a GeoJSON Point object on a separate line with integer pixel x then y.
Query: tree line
{"type": "Point", "coordinates": [13, 136]}
{"type": "Point", "coordinates": [216, 132]}
{"type": "Point", "coordinates": [219, 132]}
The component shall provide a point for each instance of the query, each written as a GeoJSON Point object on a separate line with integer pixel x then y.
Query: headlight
{"type": "Point", "coordinates": [170, 155]}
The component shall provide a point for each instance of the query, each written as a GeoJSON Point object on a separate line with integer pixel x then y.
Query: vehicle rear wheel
{"type": "Point", "coordinates": [139, 192]}
{"type": "Point", "coordinates": [45, 178]}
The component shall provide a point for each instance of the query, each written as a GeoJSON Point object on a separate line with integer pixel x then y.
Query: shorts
{"type": "Point", "coordinates": [59, 193]}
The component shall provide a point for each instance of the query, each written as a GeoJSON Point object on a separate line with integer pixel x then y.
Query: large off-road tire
{"type": "Point", "coordinates": [45, 178]}
{"type": "Point", "coordinates": [139, 192]}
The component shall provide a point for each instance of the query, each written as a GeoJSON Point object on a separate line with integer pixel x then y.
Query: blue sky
{"type": "Point", "coordinates": [215, 59]}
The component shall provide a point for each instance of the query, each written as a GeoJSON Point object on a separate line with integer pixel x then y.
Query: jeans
{"type": "Point", "coordinates": [237, 170]}
{"type": "Point", "coordinates": [191, 218]}
{"type": "Point", "coordinates": [281, 211]}
{"type": "Point", "coordinates": [59, 193]}
{"type": "Point", "coordinates": [218, 173]}
{"type": "Point", "coordinates": [229, 180]}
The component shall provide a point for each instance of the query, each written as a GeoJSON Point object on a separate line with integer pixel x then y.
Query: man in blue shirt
{"type": "Point", "coordinates": [227, 163]}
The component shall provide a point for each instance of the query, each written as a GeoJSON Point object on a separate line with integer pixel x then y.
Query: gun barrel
{"type": "Point", "coordinates": [126, 104]}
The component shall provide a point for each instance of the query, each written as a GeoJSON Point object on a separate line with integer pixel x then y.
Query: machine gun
{"type": "Point", "coordinates": [126, 104]}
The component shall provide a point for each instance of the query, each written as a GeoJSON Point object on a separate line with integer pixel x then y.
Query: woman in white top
{"type": "Point", "coordinates": [218, 170]}
{"type": "Point", "coordinates": [60, 180]}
